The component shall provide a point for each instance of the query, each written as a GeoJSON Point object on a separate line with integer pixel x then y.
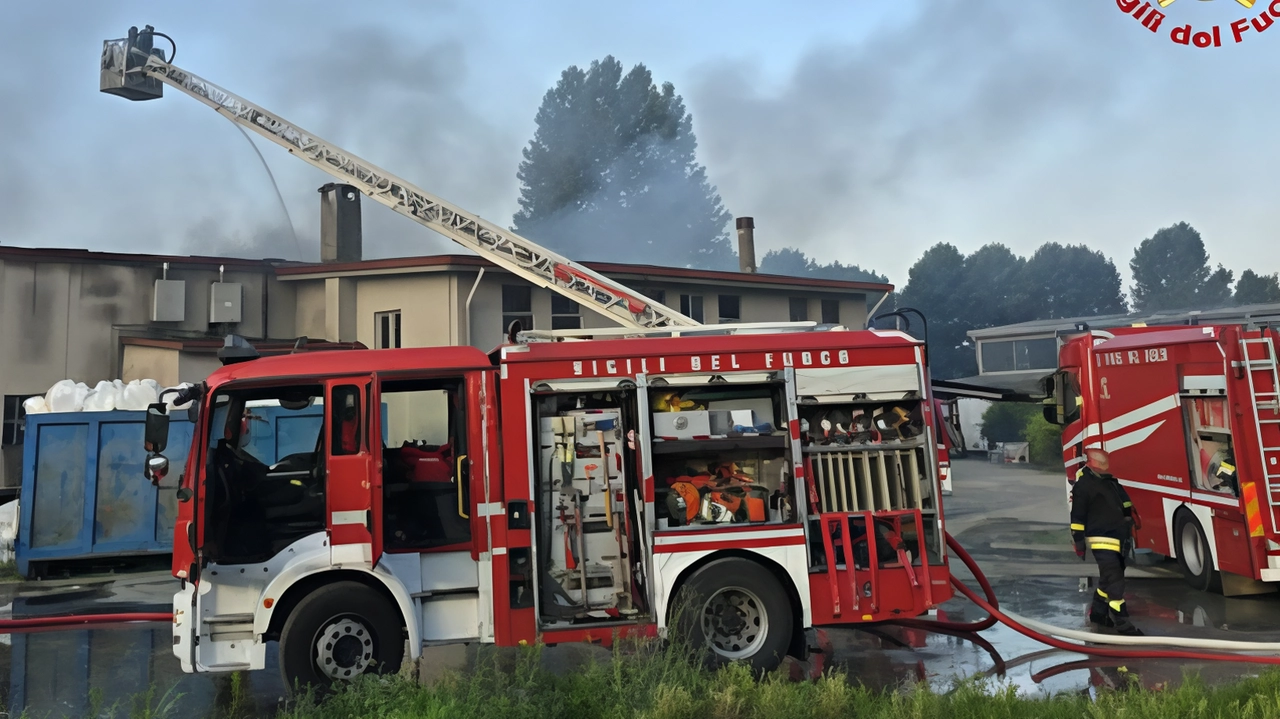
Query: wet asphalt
{"type": "Point", "coordinates": [1012, 519]}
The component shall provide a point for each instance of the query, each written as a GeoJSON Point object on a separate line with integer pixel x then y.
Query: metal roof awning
{"type": "Point", "coordinates": [1015, 387]}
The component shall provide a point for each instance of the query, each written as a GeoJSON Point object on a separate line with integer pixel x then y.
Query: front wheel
{"type": "Point", "coordinates": [737, 611]}
{"type": "Point", "coordinates": [338, 632]}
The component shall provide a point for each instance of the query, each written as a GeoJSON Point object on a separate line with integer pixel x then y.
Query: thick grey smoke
{"type": "Point", "coordinates": [968, 121]}
{"type": "Point", "coordinates": [982, 121]}
{"type": "Point", "coordinates": [83, 169]}
{"type": "Point", "coordinates": [403, 105]}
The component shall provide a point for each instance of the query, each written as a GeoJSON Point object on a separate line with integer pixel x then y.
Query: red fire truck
{"type": "Point", "coordinates": [1191, 418]}
{"type": "Point", "coordinates": [569, 486]}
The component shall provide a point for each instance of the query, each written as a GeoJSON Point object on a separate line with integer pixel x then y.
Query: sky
{"type": "Point", "coordinates": [863, 132]}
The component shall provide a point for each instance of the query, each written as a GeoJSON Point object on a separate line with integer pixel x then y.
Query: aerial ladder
{"type": "Point", "coordinates": [136, 70]}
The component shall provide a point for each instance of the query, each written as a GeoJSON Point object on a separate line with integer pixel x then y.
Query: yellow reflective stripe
{"type": "Point", "coordinates": [1116, 604]}
{"type": "Point", "coordinates": [1079, 401]}
{"type": "Point", "coordinates": [1102, 594]}
{"type": "Point", "coordinates": [1228, 467]}
{"type": "Point", "coordinates": [1077, 527]}
{"type": "Point", "coordinates": [1104, 543]}
{"type": "Point", "coordinates": [1128, 505]}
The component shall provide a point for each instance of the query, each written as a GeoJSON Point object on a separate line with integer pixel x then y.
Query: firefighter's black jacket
{"type": "Point", "coordinates": [1100, 508]}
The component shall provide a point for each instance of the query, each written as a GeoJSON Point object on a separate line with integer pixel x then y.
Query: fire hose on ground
{"type": "Point", "coordinates": [1130, 647]}
{"type": "Point", "coordinates": [1087, 643]}
{"type": "Point", "coordinates": [70, 621]}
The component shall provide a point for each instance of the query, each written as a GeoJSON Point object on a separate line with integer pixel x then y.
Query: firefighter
{"type": "Point", "coordinates": [1102, 519]}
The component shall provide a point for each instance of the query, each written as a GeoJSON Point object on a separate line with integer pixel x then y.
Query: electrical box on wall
{"type": "Point", "coordinates": [170, 301]}
{"type": "Point", "coordinates": [225, 299]}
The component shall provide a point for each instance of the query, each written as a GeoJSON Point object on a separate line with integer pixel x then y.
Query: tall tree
{"type": "Point", "coordinates": [793, 262]}
{"type": "Point", "coordinates": [932, 289]}
{"type": "Point", "coordinates": [1171, 271]}
{"type": "Point", "coordinates": [1254, 289]}
{"type": "Point", "coordinates": [612, 174]}
{"type": "Point", "coordinates": [991, 290]}
{"type": "Point", "coordinates": [1072, 281]}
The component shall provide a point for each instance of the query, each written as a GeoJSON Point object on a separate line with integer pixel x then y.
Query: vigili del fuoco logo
{"type": "Point", "coordinates": [1153, 18]}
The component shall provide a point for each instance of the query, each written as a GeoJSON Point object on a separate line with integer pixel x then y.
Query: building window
{"type": "Point", "coordinates": [831, 312]}
{"type": "Point", "coordinates": [1018, 355]}
{"type": "Point", "coordinates": [691, 307]}
{"type": "Point", "coordinates": [799, 309]}
{"type": "Point", "coordinates": [517, 306]}
{"type": "Point", "coordinates": [565, 313]}
{"type": "Point", "coordinates": [659, 296]}
{"type": "Point", "coordinates": [14, 419]}
{"type": "Point", "coordinates": [386, 329]}
{"type": "Point", "coordinates": [730, 308]}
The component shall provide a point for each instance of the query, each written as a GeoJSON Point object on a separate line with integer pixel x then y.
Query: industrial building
{"type": "Point", "coordinates": [1015, 358]}
{"type": "Point", "coordinates": [92, 316]}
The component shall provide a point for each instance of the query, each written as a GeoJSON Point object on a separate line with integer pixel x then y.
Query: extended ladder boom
{"type": "Point", "coordinates": [131, 69]}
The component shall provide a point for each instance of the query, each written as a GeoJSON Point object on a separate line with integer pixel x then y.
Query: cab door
{"type": "Point", "coordinates": [353, 486]}
{"type": "Point", "coordinates": [432, 516]}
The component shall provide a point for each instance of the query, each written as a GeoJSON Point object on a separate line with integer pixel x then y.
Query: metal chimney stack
{"type": "Point", "coordinates": [340, 232]}
{"type": "Point", "coordinates": [746, 244]}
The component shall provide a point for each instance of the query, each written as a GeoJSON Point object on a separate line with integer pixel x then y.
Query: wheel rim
{"type": "Point", "coordinates": [343, 649]}
{"type": "Point", "coordinates": [1192, 549]}
{"type": "Point", "coordinates": [735, 622]}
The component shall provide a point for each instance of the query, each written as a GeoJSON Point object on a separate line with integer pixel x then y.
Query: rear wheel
{"type": "Point", "coordinates": [1195, 557]}
{"type": "Point", "coordinates": [337, 633]}
{"type": "Point", "coordinates": [737, 611]}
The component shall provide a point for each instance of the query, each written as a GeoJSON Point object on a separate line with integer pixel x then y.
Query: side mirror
{"type": "Point", "coordinates": [156, 435]}
{"type": "Point", "coordinates": [185, 494]}
{"type": "Point", "coordinates": [1051, 414]}
{"type": "Point", "coordinates": [193, 412]}
{"type": "Point", "coordinates": [157, 468]}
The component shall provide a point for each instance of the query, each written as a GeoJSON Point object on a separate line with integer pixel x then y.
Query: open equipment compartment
{"type": "Point", "coordinates": [869, 448]}
{"type": "Point", "coordinates": [720, 451]}
{"type": "Point", "coordinates": [587, 535]}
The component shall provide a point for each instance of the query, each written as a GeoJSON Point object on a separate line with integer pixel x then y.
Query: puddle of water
{"type": "Point", "coordinates": [86, 671]}
{"type": "Point", "coordinates": [886, 656]}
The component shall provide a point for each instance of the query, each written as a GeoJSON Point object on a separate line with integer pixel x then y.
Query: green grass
{"type": "Point", "coordinates": [642, 681]}
{"type": "Point", "coordinates": [9, 572]}
{"type": "Point", "coordinates": [650, 681]}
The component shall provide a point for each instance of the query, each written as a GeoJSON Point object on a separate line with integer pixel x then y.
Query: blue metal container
{"type": "Point", "coordinates": [83, 489]}
{"type": "Point", "coordinates": [84, 493]}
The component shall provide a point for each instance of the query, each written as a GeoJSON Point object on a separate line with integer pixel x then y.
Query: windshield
{"type": "Point", "coordinates": [268, 428]}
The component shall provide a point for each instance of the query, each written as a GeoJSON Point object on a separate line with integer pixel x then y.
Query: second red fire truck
{"type": "Point", "coordinates": [1191, 418]}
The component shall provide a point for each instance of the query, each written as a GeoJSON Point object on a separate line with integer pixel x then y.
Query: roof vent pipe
{"type": "Point", "coordinates": [746, 244]}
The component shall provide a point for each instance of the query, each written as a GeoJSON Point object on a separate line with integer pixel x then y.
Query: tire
{"type": "Point", "coordinates": [1194, 554]}
{"type": "Point", "coordinates": [338, 632]}
{"type": "Point", "coordinates": [735, 610]}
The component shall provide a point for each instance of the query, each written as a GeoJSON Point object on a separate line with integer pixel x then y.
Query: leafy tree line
{"type": "Point", "coordinates": [992, 286]}
{"type": "Point", "coordinates": [612, 174]}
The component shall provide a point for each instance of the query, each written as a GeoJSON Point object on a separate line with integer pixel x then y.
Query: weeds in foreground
{"type": "Point", "coordinates": [9, 572]}
{"type": "Point", "coordinates": [655, 681]}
